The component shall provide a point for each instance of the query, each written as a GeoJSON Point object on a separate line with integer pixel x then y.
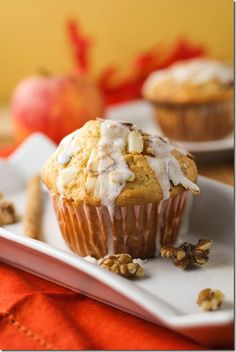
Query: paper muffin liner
{"type": "Point", "coordinates": [138, 230]}
{"type": "Point", "coordinates": [195, 122]}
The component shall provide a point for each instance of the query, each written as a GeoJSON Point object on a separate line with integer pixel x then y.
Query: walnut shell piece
{"type": "Point", "coordinates": [209, 299]}
{"type": "Point", "coordinates": [122, 264]}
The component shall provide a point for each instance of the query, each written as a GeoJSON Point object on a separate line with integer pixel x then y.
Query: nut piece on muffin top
{"type": "Point", "coordinates": [191, 81]}
{"type": "Point", "coordinates": [113, 163]}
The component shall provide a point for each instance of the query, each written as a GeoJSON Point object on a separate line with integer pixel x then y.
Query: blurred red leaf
{"type": "Point", "coordinates": [117, 90]}
{"type": "Point", "coordinates": [80, 46]}
{"type": "Point", "coordinates": [118, 86]}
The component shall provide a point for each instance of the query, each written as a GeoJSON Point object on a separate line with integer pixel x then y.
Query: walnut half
{"type": "Point", "coordinates": [209, 299]}
{"type": "Point", "coordinates": [121, 264]}
{"type": "Point", "coordinates": [188, 254]}
{"type": "Point", "coordinates": [7, 212]}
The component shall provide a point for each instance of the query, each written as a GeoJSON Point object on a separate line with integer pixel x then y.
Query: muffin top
{"type": "Point", "coordinates": [108, 162]}
{"type": "Point", "coordinates": [189, 82]}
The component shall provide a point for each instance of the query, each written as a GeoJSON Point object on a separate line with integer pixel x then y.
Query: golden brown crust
{"type": "Point", "coordinates": [195, 81]}
{"type": "Point", "coordinates": [144, 188]}
{"type": "Point", "coordinates": [171, 92]}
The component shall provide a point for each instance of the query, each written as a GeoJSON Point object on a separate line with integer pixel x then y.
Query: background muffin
{"type": "Point", "coordinates": [193, 99]}
{"type": "Point", "coordinates": [118, 190]}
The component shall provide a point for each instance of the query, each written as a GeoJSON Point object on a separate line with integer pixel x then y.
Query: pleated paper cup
{"type": "Point", "coordinates": [195, 122]}
{"type": "Point", "coordinates": [138, 230]}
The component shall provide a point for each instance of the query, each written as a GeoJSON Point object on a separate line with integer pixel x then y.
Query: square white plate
{"type": "Point", "coordinates": [166, 295]}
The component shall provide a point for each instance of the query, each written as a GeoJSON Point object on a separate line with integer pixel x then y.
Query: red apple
{"type": "Point", "coordinates": [54, 105]}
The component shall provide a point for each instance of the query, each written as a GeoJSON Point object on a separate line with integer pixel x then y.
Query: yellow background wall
{"type": "Point", "coordinates": [32, 32]}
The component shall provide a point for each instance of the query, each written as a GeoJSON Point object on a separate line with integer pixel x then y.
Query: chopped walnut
{"type": "Point", "coordinates": [128, 124]}
{"type": "Point", "coordinates": [209, 299]}
{"type": "Point", "coordinates": [122, 264]}
{"type": "Point", "coordinates": [7, 212]}
{"type": "Point", "coordinates": [164, 139]}
{"type": "Point", "coordinates": [135, 142]}
{"type": "Point", "coordinates": [188, 254]}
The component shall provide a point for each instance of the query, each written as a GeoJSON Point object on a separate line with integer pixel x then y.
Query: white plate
{"type": "Point", "coordinates": [140, 113]}
{"type": "Point", "coordinates": [166, 295]}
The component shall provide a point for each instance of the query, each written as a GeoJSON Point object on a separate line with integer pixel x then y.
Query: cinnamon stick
{"type": "Point", "coordinates": [33, 210]}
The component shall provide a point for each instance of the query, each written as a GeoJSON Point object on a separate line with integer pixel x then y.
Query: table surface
{"type": "Point", "coordinates": [222, 171]}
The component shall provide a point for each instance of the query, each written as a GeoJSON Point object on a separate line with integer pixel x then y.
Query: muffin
{"type": "Point", "coordinates": [117, 189]}
{"type": "Point", "coordinates": [193, 100]}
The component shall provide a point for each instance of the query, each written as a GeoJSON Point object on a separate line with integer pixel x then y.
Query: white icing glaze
{"type": "Point", "coordinates": [177, 177]}
{"type": "Point", "coordinates": [160, 168]}
{"type": "Point", "coordinates": [65, 177]}
{"type": "Point", "coordinates": [112, 175]}
{"type": "Point", "coordinates": [92, 164]}
{"type": "Point", "coordinates": [196, 72]}
{"type": "Point", "coordinates": [66, 149]}
{"type": "Point", "coordinates": [107, 165]}
{"type": "Point", "coordinates": [166, 167]}
{"type": "Point", "coordinates": [90, 259]}
{"type": "Point", "coordinates": [140, 261]}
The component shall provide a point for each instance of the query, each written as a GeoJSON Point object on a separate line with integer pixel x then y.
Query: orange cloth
{"type": "Point", "coordinates": [38, 315]}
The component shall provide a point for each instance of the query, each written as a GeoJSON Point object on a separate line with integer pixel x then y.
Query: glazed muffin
{"type": "Point", "coordinates": [116, 189]}
{"type": "Point", "coordinates": [193, 100]}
